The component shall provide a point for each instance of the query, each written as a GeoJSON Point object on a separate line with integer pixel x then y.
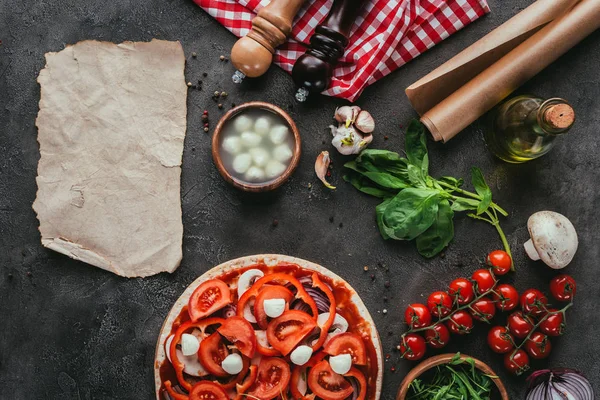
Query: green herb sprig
{"type": "Point", "coordinates": [416, 205]}
{"type": "Point", "coordinates": [459, 379]}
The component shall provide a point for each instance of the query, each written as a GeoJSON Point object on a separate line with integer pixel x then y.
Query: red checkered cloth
{"type": "Point", "coordinates": [386, 35]}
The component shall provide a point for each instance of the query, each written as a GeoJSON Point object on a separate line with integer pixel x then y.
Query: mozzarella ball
{"type": "Point", "coordinates": [260, 156]}
{"type": "Point", "coordinates": [241, 163]}
{"type": "Point", "coordinates": [232, 144]}
{"type": "Point", "coordinates": [274, 169]}
{"type": "Point", "coordinates": [189, 344]}
{"type": "Point", "coordinates": [341, 364]}
{"type": "Point", "coordinates": [255, 174]}
{"type": "Point", "coordinates": [242, 123]}
{"type": "Point", "coordinates": [250, 139]}
{"type": "Point", "coordinates": [233, 364]}
{"type": "Point", "coordinates": [301, 355]}
{"type": "Point", "coordinates": [274, 307]}
{"type": "Point", "coordinates": [278, 134]}
{"type": "Point", "coordinates": [282, 153]}
{"type": "Point", "coordinates": [262, 125]}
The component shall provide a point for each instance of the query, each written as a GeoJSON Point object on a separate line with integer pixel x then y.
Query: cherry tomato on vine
{"type": "Point", "coordinates": [412, 347]}
{"type": "Point", "coordinates": [500, 340]}
{"type": "Point", "coordinates": [483, 309]}
{"type": "Point", "coordinates": [461, 289]}
{"type": "Point", "coordinates": [516, 363]}
{"type": "Point", "coordinates": [439, 304]}
{"type": "Point", "coordinates": [500, 262]}
{"type": "Point", "coordinates": [417, 316]}
{"type": "Point", "coordinates": [460, 323]}
{"type": "Point", "coordinates": [506, 297]}
{"type": "Point", "coordinates": [563, 287]}
{"type": "Point", "coordinates": [538, 345]}
{"type": "Point", "coordinates": [484, 280]}
{"type": "Point", "coordinates": [519, 324]}
{"type": "Point", "coordinates": [438, 336]}
{"type": "Point", "coordinates": [533, 302]}
{"type": "Point", "coordinates": [554, 324]}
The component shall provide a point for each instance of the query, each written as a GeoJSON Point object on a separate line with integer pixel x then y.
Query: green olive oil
{"type": "Point", "coordinates": [525, 127]}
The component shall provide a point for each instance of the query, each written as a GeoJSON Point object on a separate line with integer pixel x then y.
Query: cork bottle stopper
{"type": "Point", "coordinates": [560, 116]}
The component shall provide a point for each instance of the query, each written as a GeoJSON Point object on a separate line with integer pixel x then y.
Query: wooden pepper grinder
{"type": "Point", "coordinates": [252, 55]}
{"type": "Point", "coordinates": [313, 70]}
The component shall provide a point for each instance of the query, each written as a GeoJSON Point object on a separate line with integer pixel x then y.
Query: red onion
{"type": "Point", "coordinates": [320, 299]}
{"type": "Point", "coordinates": [559, 384]}
{"type": "Point", "coordinates": [355, 386]}
{"type": "Point", "coordinates": [229, 311]}
{"type": "Point", "coordinates": [300, 306]}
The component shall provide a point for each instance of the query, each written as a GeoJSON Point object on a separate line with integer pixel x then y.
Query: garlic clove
{"type": "Point", "coordinates": [364, 122]}
{"type": "Point", "coordinates": [321, 167]}
{"type": "Point", "coordinates": [346, 114]}
{"type": "Point", "coordinates": [349, 141]}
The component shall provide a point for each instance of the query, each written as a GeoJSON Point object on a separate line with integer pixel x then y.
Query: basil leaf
{"type": "Point", "coordinates": [482, 190]}
{"type": "Point", "coordinates": [381, 178]}
{"type": "Point", "coordinates": [416, 147]}
{"type": "Point", "coordinates": [379, 211]}
{"type": "Point", "coordinates": [410, 213]}
{"type": "Point", "coordinates": [415, 177]}
{"type": "Point", "coordinates": [464, 204]}
{"type": "Point", "coordinates": [366, 186]}
{"type": "Point", "coordinates": [440, 234]}
{"type": "Point", "coordinates": [382, 160]}
{"type": "Point", "coordinates": [452, 181]}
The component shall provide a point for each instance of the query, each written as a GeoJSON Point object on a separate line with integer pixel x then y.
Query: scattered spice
{"type": "Point", "coordinates": [29, 274]}
{"type": "Point", "coordinates": [331, 219]}
{"type": "Point", "coordinates": [385, 138]}
{"type": "Point", "coordinates": [10, 276]}
{"type": "Point", "coordinates": [193, 149]}
{"type": "Point", "coordinates": [384, 311]}
{"type": "Point", "coordinates": [387, 284]}
{"type": "Point", "coordinates": [372, 277]}
{"type": "Point", "coordinates": [205, 129]}
{"type": "Point", "coordinates": [390, 333]}
{"type": "Point", "coordinates": [366, 268]}
{"type": "Point", "coordinates": [393, 369]}
{"type": "Point", "coordinates": [217, 93]}
{"type": "Point", "coordinates": [385, 299]}
{"type": "Point", "coordinates": [232, 105]}
{"type": "Point", "coordinates": [275, 222]}
{"type": "Point", "coordinates": [189, 84]}
{"type": "Point", "coordinates": [341, 225]}
{"type": "Point", "coordinates": [204, 74]}
{"type": "Point", "coordinates": [222, 58]}
{"type": "Point", "coordinates": [223, 94]}
{"type": "Point", "coordinates": [220, 105]}
{"type": "Point", "coordinates": [194, 55]}
{"type": "Point", "coordinates": [387, 356]}
{"type": "Point", "coordinates": [204, 118]}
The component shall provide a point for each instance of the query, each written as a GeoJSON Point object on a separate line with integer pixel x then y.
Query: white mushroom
{"type": "Point", "coordinates": [301, 354]}
{"type": "Point", "coordinates": [262, 125]}
{"type": "Point", "coordinates": [553, 239]}
{"type": "Point", "coordinates": [274, 307]}
{"type": "Point", "coordinates": [341, 364]}
{"type": "Point", "coordinates": [247, 279]}
{"type": "Point", "coordinates": [261, 338]}
{"type": "Point", "coordinates": [233, 364]}
{"type": "Point", "coordinates": [249, 312]}
{"type": "Point", "coordinates": [339, 325]}
{"type": "Point", "coordinates": [242, 123]}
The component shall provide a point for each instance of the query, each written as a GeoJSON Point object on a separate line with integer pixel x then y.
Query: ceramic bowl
{"type": "Point", "coordinates": [247, 186]}
{"type": "Point", "coordinates": [441, 359]}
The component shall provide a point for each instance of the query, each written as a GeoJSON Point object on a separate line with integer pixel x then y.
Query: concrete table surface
{"type": "Point", "coordinates": [71, 331]}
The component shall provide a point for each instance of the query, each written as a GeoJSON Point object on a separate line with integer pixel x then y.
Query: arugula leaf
{"type": "Point", "coordinates": [482, 190]}
{"type": "Point", "coordinates": [416, 145]}
{"type": "Point", "coordinates": [434, 239]}
{"type": "Point", "coordinates": [410, 213]}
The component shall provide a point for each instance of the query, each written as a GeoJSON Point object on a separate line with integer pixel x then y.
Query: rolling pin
{"type": "Point", "coordinates": [252, 55]}
{"type": "Point", "coordinates": [313, 70]}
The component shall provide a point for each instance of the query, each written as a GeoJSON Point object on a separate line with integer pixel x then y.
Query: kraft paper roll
{"type": "Point", "coordinates": [480, 94]}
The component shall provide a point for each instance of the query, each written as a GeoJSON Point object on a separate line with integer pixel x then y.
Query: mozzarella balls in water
{"type": "Point", "coordinates": [232, 145]}
{"type": "Point", "coordinates": [242, 123]}
{"type": "Point", "coordinates": [255, 174]}
{"type": "Point", "coordinates": [250, 139]}
{"type": "Point", "coordinates": [278, 134]}
{"type": "Point", "coordinates": [262, 125]}
{"type": "Point", "coordinates": [260, 156]}
{"type": "Point", "coordinates": [241, 163]}
{"type": "Point", "coordinates": [282, 153]}
{"type": "Point", "coordinates": [274, 169]}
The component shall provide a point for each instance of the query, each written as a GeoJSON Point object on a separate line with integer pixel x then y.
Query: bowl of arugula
{"type": "Point", "coordinates": [452, 376]}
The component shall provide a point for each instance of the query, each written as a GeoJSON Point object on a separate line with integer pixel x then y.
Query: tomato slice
{"type": "Point", "coordinates": [203, 326]}
{"type": "Point", "coordinates": [174, 395]}
{"type": "Point", "coordinates": [287, 330]}
{"type": "Point", "coordinates": [273, 379]}
{"type": "Point", "coordinates": [362, 382]}
{"type": "Point", "coordinates": [242, 388]}
{"type": "Point", "coordinates": [326, 384]}
{"type": "Point", "coordinates": [209, 297]}
{"type": "Point", "coordinates": [239, 332]}
{"type": "Point", "coordinates": [267, 293]}
{"type": "Point", "coordinates": [348, 343]}
{"type": "Point", "coordinates": [212, 353]}
{"type": "Point", "coordinates": [317, 283]}
{"type": "Point", "coordinates": [277, 278]}
{"type": "Point", "coordinates": [208, 390]}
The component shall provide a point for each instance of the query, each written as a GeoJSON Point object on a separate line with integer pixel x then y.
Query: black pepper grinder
{"type": "Point", "coordinates": [313, 70]}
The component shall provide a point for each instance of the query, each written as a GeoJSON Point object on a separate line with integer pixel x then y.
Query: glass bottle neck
{"type": "Point", "coordinates": [554, 117]}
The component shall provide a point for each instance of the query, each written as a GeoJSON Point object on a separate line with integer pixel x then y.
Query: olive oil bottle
{"type": "Point", "coordinates": [525, 127]}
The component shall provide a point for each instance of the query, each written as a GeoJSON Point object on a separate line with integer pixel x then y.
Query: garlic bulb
{"type": "Point", "coordinates": [346, 114]}
{"type": "Point", "coordinates": [348, 140]}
